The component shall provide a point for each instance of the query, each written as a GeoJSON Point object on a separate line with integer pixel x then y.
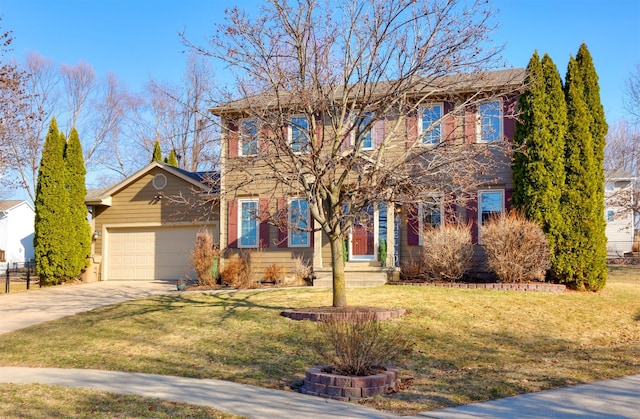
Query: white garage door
{"type": "Point", "coordinates": [150, 253]}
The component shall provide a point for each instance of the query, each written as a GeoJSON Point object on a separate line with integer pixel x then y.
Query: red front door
{"type": "Point", "coordinates": [362, 236]}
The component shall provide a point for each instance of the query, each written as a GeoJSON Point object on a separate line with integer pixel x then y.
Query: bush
{"type": "Point", "coordinates": [301, 270]}
{"type": "Point", "coordinates": [447, 251]}
{"type": "Point", "coordinates": [237, 271]}
{"type": "Point", "coordinates": [274, 273]}
{"type": "Point", "coordinates": [517, 249]}
{"type": "Point", "coordinates": [202, 257]}
{"type": "Point", "coordinates": [361, 346]}
{"type": "Point", "coordinates": [413, 269]}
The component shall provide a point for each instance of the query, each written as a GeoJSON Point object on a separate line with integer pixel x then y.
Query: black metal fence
{"type": "Point", "coordinates": [17, 272]}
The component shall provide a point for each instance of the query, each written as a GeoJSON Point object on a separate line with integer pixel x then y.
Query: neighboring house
{"type": "Point", "coordinates": [618, 197]}
{"type": "Point", "coordinates": [387, 223]}
{"type": "Point", "coordinates": [16, 233]}
{"type": "Point", "coordinates": [145, 226]}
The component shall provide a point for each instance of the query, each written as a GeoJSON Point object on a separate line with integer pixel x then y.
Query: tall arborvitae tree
{"type": "Point", "coordinates": [80, 245]}
{"type": "Point", "coordinates": [538, 168]}
{"type": "Point", "coordinates": [598, 128]}
{"type": "Point", "coordinates": [172, 159]}
{"type": "Point", "coordinates": [52, 211]}
{"type": "Point", "coordinates": [580, 193]}
{"type": "Point", "coordinates": [157, 153]}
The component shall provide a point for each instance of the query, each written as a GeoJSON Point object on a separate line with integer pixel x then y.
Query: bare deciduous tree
{"type": "Point", "coordinates": [344, 66]}
{"type": "Point", "coordinates": [16, 116]}
{"type": "Point", "coordinates": [180, 118]}
{"type": "Point", "coordinates": [622, 157]}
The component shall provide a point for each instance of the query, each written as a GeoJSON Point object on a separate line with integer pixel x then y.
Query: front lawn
{"type": "Point", "coordinates": [469, 345]}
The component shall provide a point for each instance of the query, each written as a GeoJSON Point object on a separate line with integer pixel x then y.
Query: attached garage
{"type": "Point", "coordinates": [144, 228]}
{"type": "Point", "coordinates": [150, 253]}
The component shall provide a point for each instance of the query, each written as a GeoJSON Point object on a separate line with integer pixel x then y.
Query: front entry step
{"type": "Point", "coordinates": [366, 274]}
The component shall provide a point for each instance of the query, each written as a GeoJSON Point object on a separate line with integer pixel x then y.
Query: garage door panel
{"type": "Point", "coordinates": [149, 253]}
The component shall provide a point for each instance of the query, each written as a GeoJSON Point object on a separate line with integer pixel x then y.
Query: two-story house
{"type": "Point", "coordinates": [273, 148]}
{"type": "Point", "coordinates": [618, 198]}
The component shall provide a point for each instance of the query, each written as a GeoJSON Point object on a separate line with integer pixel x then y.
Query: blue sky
{"type": "Point", "coordinates": [138, 39]}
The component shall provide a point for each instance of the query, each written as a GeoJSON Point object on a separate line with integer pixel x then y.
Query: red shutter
{"type": "Point", "coordinates": [449, 122]}
{"type": "Point", "coordinates": [413, 225]}
{"type": "Point", "coordinates": [233, 136]}
{"type": "Point", "coordinates": [508, 193]}
{"type": "Point", "coordinates": [283, 222]}
{"type": "Point", "coordinates": [412, 128]}
{"type": "Point", "coordinates": [263, 239]}
{"type": "Point", "coordinates": [472, 215]}
{"type": "Point", "coordinates": [311, 233]}
{"type": "Point", "coordinates": [232, 224]}
{"type": "Point", "coordinates": [470, 120]}
{"type": "Point", "coordinates": [509, 119]}
{"type": "Point", "coordinates": [378, 133]}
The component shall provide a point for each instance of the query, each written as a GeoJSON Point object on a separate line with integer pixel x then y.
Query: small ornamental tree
{"type": "Point", "coordinates": [157, 153]}
{"type": "Point", "coordinates": [172, 159]}
{"type": "Point", "coordinates": [79, 247]}
{"type": "Point", "coordinates": [52, 213]}
{"type": "Point", "coordinates": [516, 247]}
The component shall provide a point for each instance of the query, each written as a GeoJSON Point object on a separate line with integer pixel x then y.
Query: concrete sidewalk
{"type": "Point", "coordinates": [618, 398]}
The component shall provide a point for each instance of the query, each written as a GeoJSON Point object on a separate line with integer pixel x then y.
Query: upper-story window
{"type": "Point", "coordinates": [299, 134]}
{"type": "Point", "coordinates": [299, 223]}
{"type": "Point", "coordinates": [430, 124]}
{"type": "Point", "coordinates": [489, 127]}
{"type": "Point", "coordinates": [362, 128]}
{"type": "Point", "coordinates": [248, 137]}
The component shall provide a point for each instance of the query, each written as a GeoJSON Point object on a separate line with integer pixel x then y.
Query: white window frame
{"type": "Point", "coordinates": [305, 148]}
{"type": "Point", "coordinates": [481, 192]}
{"type": "Point", "coordinates": [370, 132]}
{"type": "Point", "coordinates": [254, 220]}
{"type": "Point", "coordinates": [437, 124]}
{"type": "Point", "coordinates": [290, 221]}
{"type": "Point", "coordinates": [610, 215]}
{"type": "Point", "coordinates": [422, 206]}
{"type": "Point", "coordinates": [480, 134]}
{"type": "Point", "coordinates": [243, 137]}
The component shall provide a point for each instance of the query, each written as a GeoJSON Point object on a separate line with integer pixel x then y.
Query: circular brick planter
{"type": "Point", "coordinates": [345, 388]}
{"type": "Point", "coordinates": [319, 314]}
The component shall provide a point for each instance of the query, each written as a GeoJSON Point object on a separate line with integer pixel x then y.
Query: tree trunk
{"type": "Point", "coordinates": [337, 263]}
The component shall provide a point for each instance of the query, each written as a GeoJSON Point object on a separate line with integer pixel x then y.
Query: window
{"type": "Point", "coordinates": [298, 134]}
{"type": "Point", "coordinates": [429, 215]}
{"type": "Point", "coordinates": [299, 223]}
{"type": "Point", "coordinates": [611, 216]}
{"type": "Point", "coordinates": [489, 127]}
{"type": "Point", "coordinates": [248, 138]}
{"type": "Point", "coordinates": [490, 203]}
{"type": "Point", "coordinates": [248, 223]}
{"type": "Point", "coordinates": [430, 124]}
{"type": "Point", "coordinates": [362, 126]}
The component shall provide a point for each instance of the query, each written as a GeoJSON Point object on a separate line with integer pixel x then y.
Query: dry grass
{"type": "Point", "coordinates": [44, 401]}
{"type": "Point", "coordinates": [469, 345]}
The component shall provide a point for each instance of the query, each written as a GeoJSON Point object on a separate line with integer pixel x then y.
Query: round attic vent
{"type": "Point", "coordinates": [159, 181]}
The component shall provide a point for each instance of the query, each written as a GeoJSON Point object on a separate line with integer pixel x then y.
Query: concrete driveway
{"type": "Point", "coordinates": [24, 309]}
